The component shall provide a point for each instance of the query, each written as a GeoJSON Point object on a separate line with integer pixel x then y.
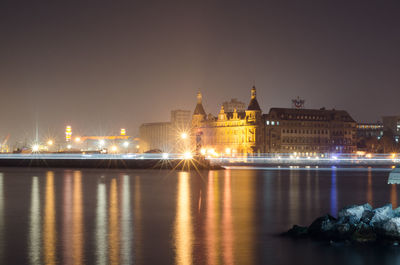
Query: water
{"type": "Point", "coordinates": [172, 217]}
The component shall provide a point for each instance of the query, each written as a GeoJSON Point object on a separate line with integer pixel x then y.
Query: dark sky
{"type": "Point", "coordinates": [103, 65]}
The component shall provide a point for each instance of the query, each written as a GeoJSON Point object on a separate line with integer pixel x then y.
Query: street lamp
{"type": "Point", "coordinates": [184, 135]}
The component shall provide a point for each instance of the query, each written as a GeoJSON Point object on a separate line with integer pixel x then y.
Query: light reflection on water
{"type": "Point", "coordinates": [159, 217]}
{"type": "Point", "coordinates": [35, 224]}
{"type": "Point", "coordinates": [183, 223]}
{"type": "Point", "coordinates": [49, 225]}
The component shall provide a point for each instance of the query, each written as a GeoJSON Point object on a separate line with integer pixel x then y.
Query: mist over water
{"type": "Point", "coordinates": [174, 217]}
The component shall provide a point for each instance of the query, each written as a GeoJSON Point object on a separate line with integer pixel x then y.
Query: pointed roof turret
{"type": "Point", "coordinates": [253, 105]}
{"type": "Point", "coordinates": [199, 110]}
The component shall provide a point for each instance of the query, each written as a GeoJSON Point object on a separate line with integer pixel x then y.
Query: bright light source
{"type": "Point", "coordinates": [228, 151]}
{"type": "Point", "coordinates": [35, 148]}
{"type": "Point", "coordinates": [77, 139]}
{"type": "Point", "coordinates": [126, 144]}
{"type": "Point", "coordinates": [203, 151]}
{"type": "Point", "coordinates": [184, 135]}
{"type": "Point", "coordinates": [114, 148]}
{"type": "Point", "coordinates": [50, 142]}
{"type": "Point", "coordinates": [69, 146]}
{"type": "Point", "coordinates": [102, 142]}
{"type": "Point", "coordinates": [137, 146]}
{"type": "Point", "coordinates": [187, 155]}
{"type": "Point", "coordinates": [165, 156]}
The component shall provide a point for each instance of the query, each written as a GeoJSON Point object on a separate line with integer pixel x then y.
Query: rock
{"type": "Point", "coordinates": [367, 216]}
{"type": "Point", "coordinates": [391, 228]}
{"type": "Point", "coordinates": [364, 234]}
{"type": "Point", "coordinates": [344, 230]}
{"type": "Point", "coordinates": [396, 212]}
{"type": "Point", "coordinates": [322, 226]}
{"type": "Point", "coordinates": [354, 212]}
{"type": "Point", "coordinates": [381, 215]}
{"type": "Point", "coordinates": [298, 231]}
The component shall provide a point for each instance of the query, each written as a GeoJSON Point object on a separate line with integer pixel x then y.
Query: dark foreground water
{"type": "Point", "coordinates": [163, 217]}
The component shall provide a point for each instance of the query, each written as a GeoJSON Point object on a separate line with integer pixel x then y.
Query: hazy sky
{"type": "Point", "coordinates": [103, 65]}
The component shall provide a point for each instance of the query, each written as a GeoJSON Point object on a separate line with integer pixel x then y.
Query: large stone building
{"type": "Point", "coordinates": [230, 132]}
{"type": "Point", "coordinates": [282, 130]}
{"type": "Point", "coordinates": [165, 136]}
{"type": "Point", "coordinates": [309, 131]}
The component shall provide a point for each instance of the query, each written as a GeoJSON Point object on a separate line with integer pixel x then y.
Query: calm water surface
{"type": "Point", "coordinates": [163, 217]}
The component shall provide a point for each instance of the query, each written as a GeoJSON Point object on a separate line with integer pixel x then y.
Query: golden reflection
{"type": "Point", "coordinates": [183, 222]}
{"type": "Point", "coordinates": [212, 233]}
{"type": "Point", "coordinates": [369, 187]}
{"type": "Point", "coordinates": [126, 235]}
{"type": "Point", "coordinates": [67, 218]}
{"type": "Point", "coordinates": [34, 224]}
{"type": "Point", "coordinates": [393, 195]}
{"type": "Point", "coordinates": [101, 224]}
{"type": "Point", "coordinates": [49, 225]}
{"type": "Point", "coordinates": [113, 225]}
{"type": "Point", "coordinates": [227, 226]}
{"type": "Point", "coordinates": [243, 218]}
{"type": "Point", "coordinates": [77, 226]}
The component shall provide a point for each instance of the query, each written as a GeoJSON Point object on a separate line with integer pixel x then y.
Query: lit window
{"type": "Point", "coordinates": [267, 122]}
{"type": "Point", "coordinates": [272, 123]}
{"type": "Point", "coordinates": [277, 123]}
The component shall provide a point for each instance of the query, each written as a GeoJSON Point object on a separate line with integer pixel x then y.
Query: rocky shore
{"type": "Point", "coordinates": [355, 224]}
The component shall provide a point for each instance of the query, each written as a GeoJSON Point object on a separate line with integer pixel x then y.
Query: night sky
{"type": "Point", "coordinates": [103, 65]}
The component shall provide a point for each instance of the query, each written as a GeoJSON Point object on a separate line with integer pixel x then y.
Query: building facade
{"type": "Point", "coordinates": [231, 132]}
{"type": "Point", "coordinates": [230, 106]}
{"type": "Point", "coordinates": [165, 136]}
{"type": "Point", "coordinates": [368, 130]}
{"type": "Point", "coordinates": [309, 131]}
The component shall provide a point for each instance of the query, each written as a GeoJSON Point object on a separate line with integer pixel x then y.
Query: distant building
{"type": "Point", "coordinates": [392, 124]}
{"type": "Point", "coordinates": [309, 131]}
{"type": "Point", "coordinates": [180, 119]}
{"type": "Point", "coordinates": [165, 136]}
{"type": "Point", "coordinates": [155, 136]}
{"type": "Point", "coordinates": [367, 130]}
{"type": "Point", "coordinates": [230, 106]}
{"type": "Point", "coordinates": [238, 130]}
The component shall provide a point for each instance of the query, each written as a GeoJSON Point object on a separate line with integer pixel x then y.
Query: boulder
{"type": "Point", "coordinates": [391, 228]}
{"type": "Point", "coordinates": [396, 212]}
{"type": "Point", "coordinates": [322, 226]}
{"type": "Point", "coordinates": [381, 215]}
{"type": "Point", "coordinates": [354, 213]}
{"type": "Point", "coordinates": [298, 231]}
{"type": "Point", "coordinates": [364, 234]}
{"type": "Point", "coordinates": [367, 216]}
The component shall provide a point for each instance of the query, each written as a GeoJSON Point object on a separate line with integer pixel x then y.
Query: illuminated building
{"type": "Point", "coordinates": [365, 130]}
{"type": "Point", "coordinates": [165, 136]}
{"type": "Point", "coordinates": [68, 133]}
{"type": "Point", "coordinates": [230, 106]}
{"type": "Point", "coordinates": [233, 132]}
{"type": "Point", "coordinates": [282, 130]}
{"type": "Point", "coordinates": [309, 131]}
